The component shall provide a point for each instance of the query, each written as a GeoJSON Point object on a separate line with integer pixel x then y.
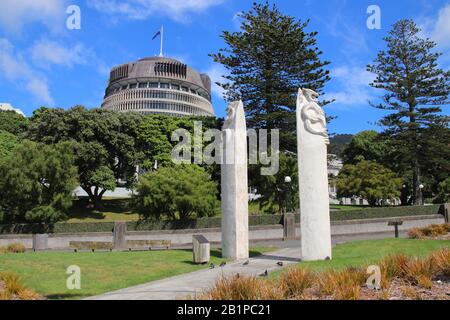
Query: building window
{"type": "Point", "coordinates": [153, 85]}
{"type": "Point", "coordinates": [164, 85]}
{"type": "Point", "coordinates": [133, 85]}
{"type": "Point", "coordinates": [175, 87]}
{"type": "Point", "coordinates": [143, 85]}
{"type": "Point", "coordinates": [185, 89]}
{"type": "Point", "coordinates": [124, 87]}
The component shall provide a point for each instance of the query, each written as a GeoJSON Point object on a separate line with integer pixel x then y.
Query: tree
{"type": "Point", "coordinates": [179, 192]}
{"type": "Point", "coordinates": [105, 144]}
{"type": "Point", "coordinates": [338, 142]}
{"type": "Point", "coordinates": [443, 192]}
{"type": "Point", "coordinates": [37, 183]}
{"type": "Point", "coordinates": [273, 189]}
{"type": "Point", "coordinates": [12, 122]}
{"type": "Point", "coordinates": [415, 89]}
{"type": "Point", "coordinates": [366, 145]}
{"type": "Point", "coordinates": [268, 61]}
{"type": "Point", "coordinates": [368, 180]}
{"type": "Point", "coordinates": [8, 142]}
{"type": "Point", "coordinates": [156, 131]}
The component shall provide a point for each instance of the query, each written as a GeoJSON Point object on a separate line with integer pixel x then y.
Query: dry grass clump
{"type": "Point", "coordinates": [295, 281]}
{"type": "Point", "coordinates": [243, 288]}
{"type": "Point", "coordinates": [441, 262]}
{"type": "Point", "coordinates": [431, 231]}
{"type": "Point", "coordinates": [402, 277]}
{"type": "Point", "coordinates": [12, 289]}
{"type": "Point", "coordinates": [341, 285]}
{"type": "Point", "coordinates": [13, 248]}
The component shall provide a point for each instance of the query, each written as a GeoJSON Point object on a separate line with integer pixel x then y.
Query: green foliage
{"type": "Point", "coordinates": [176, 192]}
{"type": "Point", "coordinates": [338, 143]}
{"type": "Point", "coordinates": [415, 88]}
{"type": "Point", "coordinates": [12, 122]}
{"type": "Point", "coordinates": [37, 183]}
{"type": "Point", "coordinates": [156, 131]}
{"type": "Point", "coordinates": [104, 143]}
{"type": "Point", "coordinates": [8, 142]}
{"type": "Point", "coordinates": [443, 192]}
{"type": "Point", "coordinates": [268, 60]}
{"type": "Point", "coordinates": [368, 180]}
{"type": "Point", "coordinates": [366, 145]}
{"type": "Point", "coordinates": [274, 191]}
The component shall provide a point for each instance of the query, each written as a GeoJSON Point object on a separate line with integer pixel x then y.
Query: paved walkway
{"type": "Point", "coordinates": [190, 284]}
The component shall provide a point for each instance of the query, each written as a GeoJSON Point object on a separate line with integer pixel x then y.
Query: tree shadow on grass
{"type": "Point", "coordinates": [63, 296]}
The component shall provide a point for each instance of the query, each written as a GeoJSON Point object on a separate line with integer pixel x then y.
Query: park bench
{"type": "Point", "coordinates": [131, 244]}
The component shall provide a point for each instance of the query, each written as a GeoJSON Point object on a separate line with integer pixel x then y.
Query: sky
{"type": "Point", "coordinates": [43, 62]}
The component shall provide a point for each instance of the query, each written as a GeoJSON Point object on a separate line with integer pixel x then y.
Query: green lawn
{"type": "Point", "coordinates": [45, 272]}
{"type": "Point", "coordinates": [360, 253]}
{"type": "Point", "coordinates": [114, 210]}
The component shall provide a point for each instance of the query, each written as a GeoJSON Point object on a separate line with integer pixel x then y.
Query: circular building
{"type": "Point", "coordinates": [158, 85]}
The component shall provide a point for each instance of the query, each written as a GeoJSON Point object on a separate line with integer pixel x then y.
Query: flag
{"type": "Point", "coordinates": [156, 34]}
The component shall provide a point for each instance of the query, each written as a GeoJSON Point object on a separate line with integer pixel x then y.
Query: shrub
{"type": "Point", "coordinates": [440, 261]}
{"type": "Point", "coordinates": [433, 231]}
{"type": "Point", "coordinates": [393, 266]}
{"type": "Point", "coordinates": [14, 248]}
{"type": "Point", "coordinates": [295, 281]}
{"type": "Point", "coordinates": [243, 288]}
{"type": "Point", "coordinates": [176, 192]}
{"type": "Point", "coordinates": [11, 288]}
{"type": "Point", "coordinates": [342, 285]}
{"type": "Point", "coordinates": [37, 183]}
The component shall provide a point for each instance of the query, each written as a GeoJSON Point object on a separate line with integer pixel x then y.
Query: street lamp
{"type": "Point", "coordinates": [287, 181]}
{"type": "Point", "coordinates": [421, 186]}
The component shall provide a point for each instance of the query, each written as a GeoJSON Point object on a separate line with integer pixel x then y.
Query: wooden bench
{"type": "Point", "coordinates": [91, 245]}
{"type": "Point", "coordinates": [149, 244]}
{"type": "Point", "coordinates": [131, 244]}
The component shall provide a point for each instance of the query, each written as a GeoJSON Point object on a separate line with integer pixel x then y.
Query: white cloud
{"type": "Point", "coordinates": [50, 52]}
{"type": "Point", "coordinates": [8, 107]}
{"type": "Point", "coordinates": [216, 72]}
{"type": "Point", "coordinates": [142, 9]}
{"type": "Point", "coordinates": [45, 53]}
{"type": "Point", "coordinates": [439, 29]}
{"type": "Point", "coordinates": [14, 14]}
{"type": "Point", "coordinates": [15, 69]}
{"type": "Point", "coordinates": [352, 84]}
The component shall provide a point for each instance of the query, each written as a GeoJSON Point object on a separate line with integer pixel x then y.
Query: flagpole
{"type": "Point", "coordinates": [162, 36]}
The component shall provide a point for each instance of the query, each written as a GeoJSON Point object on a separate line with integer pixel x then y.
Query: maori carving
{"type": "Point", "coordinates": [312, 114]}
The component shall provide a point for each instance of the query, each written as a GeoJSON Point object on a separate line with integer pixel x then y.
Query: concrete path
{"type": "Point", "coordinates": [190, 284]}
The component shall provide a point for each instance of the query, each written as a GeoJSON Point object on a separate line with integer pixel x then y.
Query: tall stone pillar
{"type": "Point", "coordinates": [312, 140]}
{"type": "Point", "coordinates": [234, 188]}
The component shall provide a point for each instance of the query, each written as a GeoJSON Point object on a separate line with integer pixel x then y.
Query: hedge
{"type": "Point", "coordinates": [213, 222]}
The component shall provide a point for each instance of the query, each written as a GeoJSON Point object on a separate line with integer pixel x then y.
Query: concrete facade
{"type": "Point", "coordinates": [312, 140]}
{"type": "Point", "coordinates": [234, 184]}
{"type": "Point", "coordinates": [158, 85]}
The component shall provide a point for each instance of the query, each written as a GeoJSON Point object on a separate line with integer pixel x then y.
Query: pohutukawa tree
{"type": "Point", "coordinates": [415, 88]}
{"type": "Point", "coordinates": [268, 60]}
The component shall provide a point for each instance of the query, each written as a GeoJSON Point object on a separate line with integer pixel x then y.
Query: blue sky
{"type": "Point", "coordinates": [44, 63]}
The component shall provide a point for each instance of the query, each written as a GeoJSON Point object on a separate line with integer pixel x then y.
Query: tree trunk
{"type": "Point", "coordinates": [95, 197]}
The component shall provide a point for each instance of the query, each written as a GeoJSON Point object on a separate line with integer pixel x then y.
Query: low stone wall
{"type": "Point", "coordinates": [256, 233]}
